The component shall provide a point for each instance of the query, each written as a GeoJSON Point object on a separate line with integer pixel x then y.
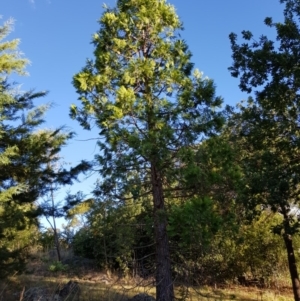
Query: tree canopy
{"type": "Point", "coordinates": [151, 108]}
{"type": "Point", "coordinates": [268, 127]}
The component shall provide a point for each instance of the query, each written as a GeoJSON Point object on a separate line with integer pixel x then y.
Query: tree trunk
{"type": "Point", "coordinates": [163, 277]}
{"type": "Point", "coordinates": [57, 246]}
{"type": "Point", "coordinates": [56, 239]}
{"type": "Point", "coordinates": [292, 266]}
{"type": "Point", "coordinates": [291, 258]}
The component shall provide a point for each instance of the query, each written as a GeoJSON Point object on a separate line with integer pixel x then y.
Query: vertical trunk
{"type": "Point", "coordinates": [291, 257]}
{"type": "Point", "coordinates": [57, 246]}
{"type": "Point", "coordinates": [107, 268]}
{"type": "Point", "coordinates": [164, 283]}
{"type": "Point", "coordinates": [292, 266]}
{"type": "Point", "coordinates": [56, 240]}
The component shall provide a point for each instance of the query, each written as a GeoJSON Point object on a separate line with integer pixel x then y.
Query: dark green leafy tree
{"type": "Point", "coordinates": [150, 108]}
{"type": "Point", "coordinates": [191, 228]}
{"type": "Point", "coordinates": [213, 178]}
{"type": "Point", "coordinates": [267, 127]}
{"type": "Point", "coordinates": [259, 251]}
{"type": "Point", "coordinates": [114, 234]}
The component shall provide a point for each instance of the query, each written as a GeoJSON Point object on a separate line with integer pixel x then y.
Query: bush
{"type": "Point", "coordinates": [57, 266]}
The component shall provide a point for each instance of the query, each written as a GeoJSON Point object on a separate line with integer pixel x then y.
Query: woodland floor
{"type": "Point", "coordinates": [96, 285]}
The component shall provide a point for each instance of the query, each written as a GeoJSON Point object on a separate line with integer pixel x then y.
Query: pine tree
{"type": "Point", "coordinates": [26, 152]}
{"type": "Point", "coordinates": [150, 106]}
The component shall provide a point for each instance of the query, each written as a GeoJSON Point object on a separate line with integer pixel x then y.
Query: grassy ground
{"type": "Point", "coordinates": [11, 290]}
{"type": "Point", "coordinates": [44, 273]}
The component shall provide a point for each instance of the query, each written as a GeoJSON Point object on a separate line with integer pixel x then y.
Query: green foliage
{"type": "Point", "coordinates": [10, 58]}
{"type": "Point", "coordinates": [24, 170]}
{"type": "Point", "coordinates": [46, 239]}
{"type": "Point", "coordinates": [84, 242]}
{"type": "Point", "coordinates": [112, 234]}
{"type": "Point", "coordinates": [261, 252]}
{"type": "Point", "coordinates": [25, 157]}
{"type": "Point", "coordinates": [267, 128]}
{"type": "Point", "coordinates": [251, 249]}
{"type": "Point", "coordinates": [207, 247]}
{"type": "Point", "coordinates": [142, 95]}
{"type": "Point", "coordinates": [193, 224]}
{"type": "Point", "coordinates": [150, 105]}
{"type": "Point", "coordinates": [57, 266]}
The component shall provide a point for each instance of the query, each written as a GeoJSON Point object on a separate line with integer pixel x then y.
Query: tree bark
{"type": "Point", "coordinates": [291, 258]}
{"type": "Point", "coordinates": [163, 277]}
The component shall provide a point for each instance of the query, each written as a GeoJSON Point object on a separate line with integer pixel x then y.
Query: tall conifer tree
{"type": "Point", "coordinates": [150, 106]}
{"type": "Point", "coordinates": [26, 152]}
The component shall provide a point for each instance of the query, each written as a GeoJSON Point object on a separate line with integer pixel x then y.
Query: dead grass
{"type": "Point", "coordinates": [92, 291]}
{"type": "Point", "coordinates": [241, 293]}
{"type": "Point", "coordinates": [95, 285]}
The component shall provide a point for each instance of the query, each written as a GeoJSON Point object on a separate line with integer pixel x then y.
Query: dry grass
{"type": "Point", "coordinates": [101, 286]}
{"type": "Point", "coordinates": [12, 289]}
{"type": "Point", "coordinates": [241, 293]}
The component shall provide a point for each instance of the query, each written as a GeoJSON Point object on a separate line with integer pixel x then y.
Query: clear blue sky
{"type": "Point", "coordinates": [55, 36]}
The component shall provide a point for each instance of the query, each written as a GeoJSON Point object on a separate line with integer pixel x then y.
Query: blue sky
{"type": "Point", "coordinates": [55, 36]}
